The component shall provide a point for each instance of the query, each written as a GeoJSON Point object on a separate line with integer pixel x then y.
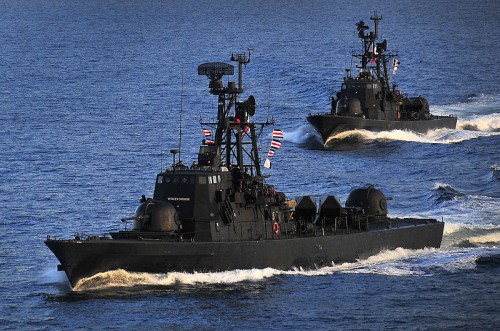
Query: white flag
{"type": "Point", "coordinates": [267, 163]}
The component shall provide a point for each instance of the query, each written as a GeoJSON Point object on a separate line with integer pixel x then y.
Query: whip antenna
{"type": "Point", "coordinates": [269, 98]}
{"type": "Point", "coordinates": [180, 115]}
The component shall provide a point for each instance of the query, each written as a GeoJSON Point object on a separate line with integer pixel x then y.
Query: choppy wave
{"type": "Point", "coordinates": [496, 171]}
{"type": "Point", "coordinates": [488, 123]}
{"type": "Point", "coordinates": [488, 261]}
{"type": "Point", "coordinates": [464, 228]}
{"type": "Point", "coordinates": [490, 239]}
{"type": "Point", "coordinates": [481, 104]}
{"type": "Point", "coordinates": [493, 238]}
{"type": "Point", "coordinates": [470, 235]}
{"type": "Point", "coordinates": [475, 211]}
{"type": "Point", "coordinates": [445, 192]}
{"type": "Point", "coordinates": [450, 228]}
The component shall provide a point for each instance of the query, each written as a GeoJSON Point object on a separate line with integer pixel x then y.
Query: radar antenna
{"type": "Point", "coordinates": [215, 71]}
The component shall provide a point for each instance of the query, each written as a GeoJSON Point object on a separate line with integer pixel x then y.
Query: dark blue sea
{"type": "Point", "coordinates": [90, 99]}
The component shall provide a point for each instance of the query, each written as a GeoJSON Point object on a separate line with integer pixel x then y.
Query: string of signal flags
{"type": "Point", "coordinates": [277, 137]}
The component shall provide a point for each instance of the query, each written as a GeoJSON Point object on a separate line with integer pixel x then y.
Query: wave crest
{"type": "Point", "coordinates": [445, 192]}
{"type": "Point", "coordinates": [486, 123]}
{"type": "Point", "coordinates": [492, 238]}
{"type": "Point", "coordinates": [450, 228]}
{"type": "Point", "coordinates": [483, 240]}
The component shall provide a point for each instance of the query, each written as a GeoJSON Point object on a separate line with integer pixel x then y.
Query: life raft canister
{"type": "Point", "coordinates": [276, 228]}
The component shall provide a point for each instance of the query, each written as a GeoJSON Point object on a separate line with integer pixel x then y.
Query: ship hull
{"type": "Point", "coordinates": [329, 124]}
{"type": "Point", "coordinates": [84, 258]}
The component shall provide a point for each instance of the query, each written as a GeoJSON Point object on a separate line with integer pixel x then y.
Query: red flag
{"type": "Point", "coordinates": [275, 144]}
{"type": "Point", "coordinates": [278, 134]}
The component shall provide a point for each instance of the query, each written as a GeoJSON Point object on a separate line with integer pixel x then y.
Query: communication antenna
{"type": "Point", "coordinates": [180, 115]}
{"type": "Point", "coordinates": [161, 159]}
{"type": "Point", "coordinates": [269, 97]}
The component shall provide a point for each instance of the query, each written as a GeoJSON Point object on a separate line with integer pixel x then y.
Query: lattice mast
{"type": "Point", "coordinates": [374, 52]}
{"type": "Point", "coordinates": [235, 134]}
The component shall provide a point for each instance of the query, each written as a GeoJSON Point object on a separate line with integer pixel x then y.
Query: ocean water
{"type": "Point", "coordinates": [90, 93]}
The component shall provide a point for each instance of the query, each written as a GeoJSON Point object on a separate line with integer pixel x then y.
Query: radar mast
{"type": "Point", "coordinates": [235, 135]}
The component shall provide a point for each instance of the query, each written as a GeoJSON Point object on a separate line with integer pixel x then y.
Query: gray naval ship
{"type": "Point", "coordinates": [220, 214]}
{"type": "Point", "coordinates": [368, 101]}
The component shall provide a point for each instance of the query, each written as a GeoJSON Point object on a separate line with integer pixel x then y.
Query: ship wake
{"type": "Point", "coordinates": [398, 262]}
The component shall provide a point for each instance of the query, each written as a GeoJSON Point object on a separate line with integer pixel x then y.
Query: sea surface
{"type": "Point", "coordinates": [90, 100]}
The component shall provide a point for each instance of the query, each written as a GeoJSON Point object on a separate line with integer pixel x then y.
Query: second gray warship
{"type": "Point", "coordinates": [368, 101]}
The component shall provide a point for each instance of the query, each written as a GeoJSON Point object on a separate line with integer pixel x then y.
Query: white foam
{"type": "Point", "coordinates": [117, 278]}
{"type": "Point", "coordinates": [390, 263]}
{"type": "Point", "coordinates": [450, 228]}
{"type": "Point", "coordinates": [453, 259]}
{"type": "Point", "coordinates": [300, 135]}
{"type": "Point", "coordinates": [51, 275]}
{"type": "Point", "coordinates": [439, 136]}
{"type": "Point", "coordinates": [441, 184]}
{"type": "Point", "coordinates": [482, 123]}
{"type": "Point", "coordinates": [122, 278]}
{"type": "Point", "coordinates": [360, 133]}
{"type": "Point", "coordinates": [491, 238]}
{"type": "Point", "coordinates": [481, 104]}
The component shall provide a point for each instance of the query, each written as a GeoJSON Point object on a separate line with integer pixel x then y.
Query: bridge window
{"type": "Point", "coordinates": [159, 180]}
